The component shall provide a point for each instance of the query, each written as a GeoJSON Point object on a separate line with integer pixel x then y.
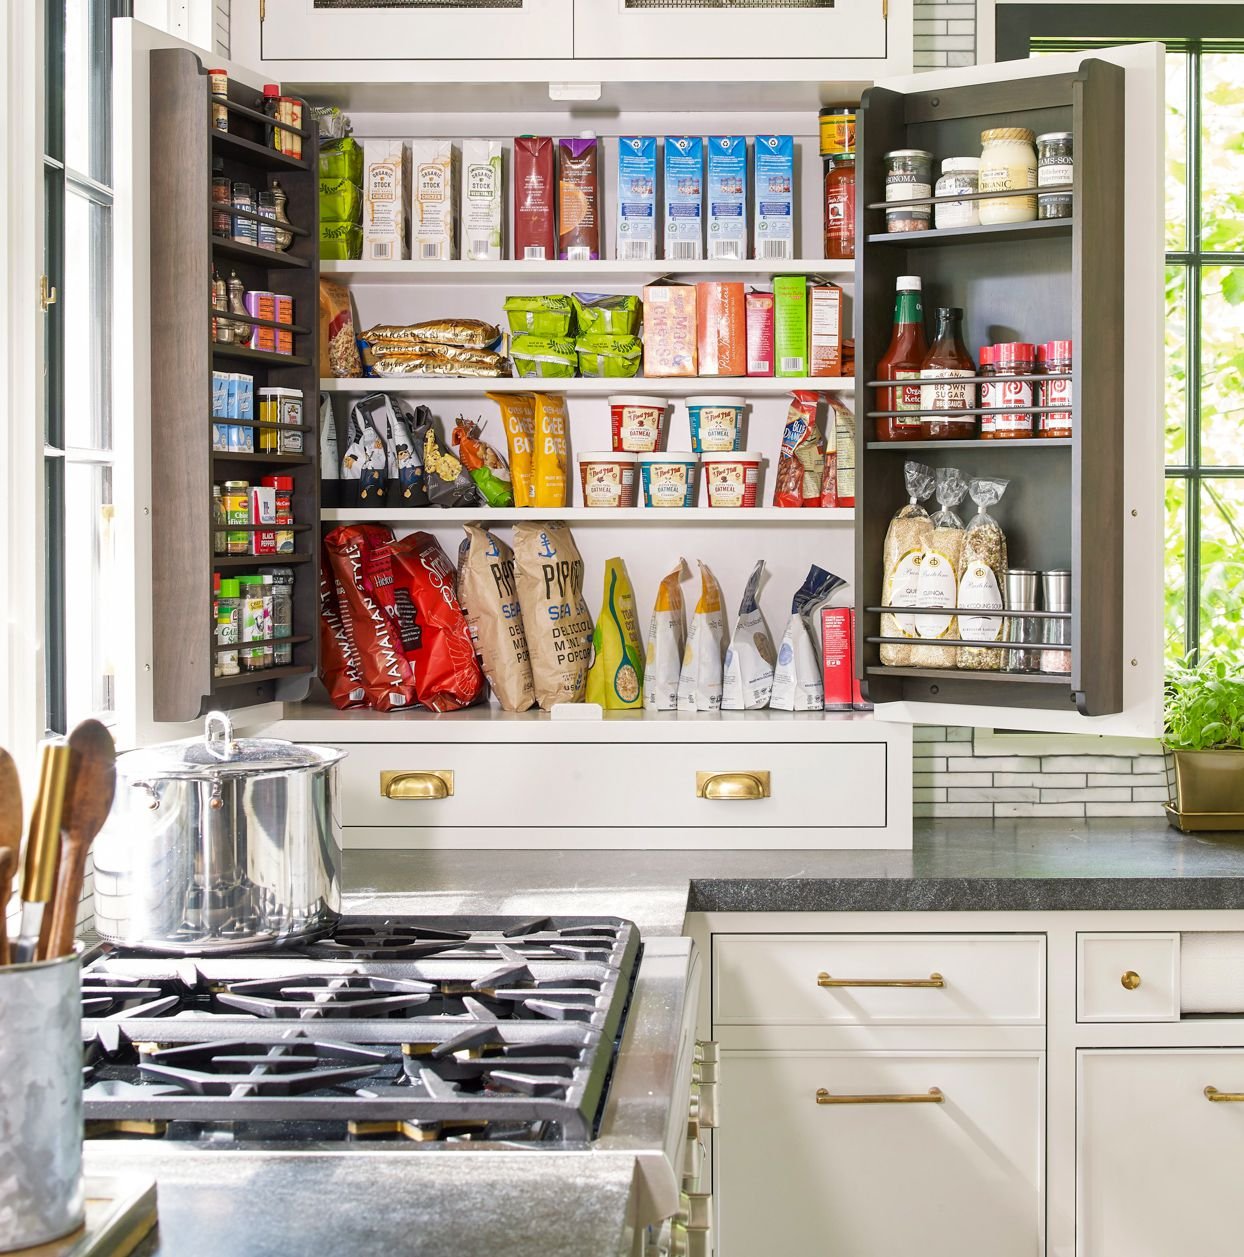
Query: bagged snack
{"type": "Point", "coordinates": [599, 313]}
{"type": "Point", "coordinates": [699, 681]}
{"type": "Point", "coordinates": [534, 235]}
{"type": "Point", "coordinates": [366, 458]}
{"type": "Point", "coordinates": [799, 678]}
{"type": "Point", "coordinates": [801, 461]}
{"type": "Point", "coordinates": [551, 315]}
{"type": "Point", "coordinates": [938, 582]}
{"type": "Point", "coordinates": [433, 630]}
{"type": "Point", "coordinates": [578, 200]}
{"type": "Point", "coordinates": [340, 201]}
{"type": "Point", "coordinates": [342, 159]}
{"type": "Point", "coordinates": [340, 670]}
{"type": "Point", "coordinates": [549, 457]}
{"type": "Point", "coordinates": [386, 200]}
{"type": "Point", "coordinates": [466, 333]}
{"type": "Point", "coordinates": [748, 675]}
{"type": "Point", "coordinates": [449, 483]}
{"type": "Point", "coordinates": [481, 200]}
{"type": "Point", "coordinates": [488, 469]}
{"type": "Point", "coordinates": [982, 570]}
{"type": "Point", "coordinates": [669, 329]}
{"type": "Point", "coordinates": [339, 355]}
{"type": "Point", "coordinates": [548, 573]}
{"type": "Point", "coordinates": [432, 210]}
{"type": "Point", "coordinates": [358, 555]}
{"type": "Point", "coordinates": [838, 482]}
{"type": "Point", "coordinates": [518, 414]}
{"type": "Point", "coordinates": [905, 540]}
{"type": "Point", "coordinates": [615, 678]}
{"type": "Point", "coordinates": [612, 357]}
{"type": "Point", "coordinates": [545, 356]}
{"type": "Point", "coordinates": [489, 599]}
{"type": "Point", "coordinates": [341, 242]}
{"type": "Point", "coordinates": [667, 640]}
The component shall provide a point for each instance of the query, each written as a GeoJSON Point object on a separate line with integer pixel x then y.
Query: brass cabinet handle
{"type": "Point", "coordinates": [1130, 980]}
{"type": "Point", "coordinates": [934, 980]}
{"type": "Point", "coordinates": [743, 785]}
{"type": "Point", "coordinates": [1214, 1096]}
{"type": "Point", "coordinates": [932, 1096]}
{"type": "Point", "coordinates": [432, 783]}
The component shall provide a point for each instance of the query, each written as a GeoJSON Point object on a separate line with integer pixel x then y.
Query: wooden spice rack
{"type": "Point", "coordinates": [183, 356]}
{"type": "Point", "coordinates": [1032, 281]}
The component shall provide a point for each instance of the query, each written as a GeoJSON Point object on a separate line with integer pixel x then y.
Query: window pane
{"type": "Point", "coordinates": [87, 321]}
{"type": "Point", "coordinates": [1176, 365]}
{"type": "Point", "coordinates": [1222, 152]}
{"type": "Point", "coordinates": [87, 121]}
{"type": "Point", "coordinates": [1176, 564]}
{"type": "Point", "coordinates": [1176, 151]}
{"type": "Point", "coordinates": [88, 581]}
{"type": "Point", "coordinates": [1222, 366]}
{"type": "Point", "coordinates": [1222, 566]}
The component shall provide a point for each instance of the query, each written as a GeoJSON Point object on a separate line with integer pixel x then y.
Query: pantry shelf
{"type": "Point", "coordinates": [624, 516]}
{"type": "Point", "coordinates": [252, 253]}
{"type": "Point", "coordinates": [260, 355]}
{"type": "Point", "coordinates": [978, 443]}
{"type": "Point", "coordinates": [261, 674]}
{"type": "Point", "coordinates": [263, 560]}
{"type": "Point", "coordinates": [984, 233]}
{"type": "Point", "coordinates": [236, 456]}
{"type": "Point", "coordinates": [259, 155]}
{"type": "Point", "coordinates": [679, 386]}
{"type": "Point", "coordinates": [967, 674]}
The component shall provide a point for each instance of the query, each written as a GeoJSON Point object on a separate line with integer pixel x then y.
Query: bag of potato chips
{"type": "Point", "coordinates": [489, 601]}
{"type": "Point", "coordinates": [615, 679]}
{"type": "Point", "coordinates": [518, 415]}
{"type": "Point", "coordinates": [667, 639]}
{"type": "Point", "coordinates": [748, 676]}
{"type": "Point", "coordinates": [549, 459]}
{"type": "Point", "coordinates": [699, 682]}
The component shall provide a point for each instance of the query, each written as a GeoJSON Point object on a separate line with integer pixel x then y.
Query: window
{"type": "Point", "coordinates": [1204, 418]}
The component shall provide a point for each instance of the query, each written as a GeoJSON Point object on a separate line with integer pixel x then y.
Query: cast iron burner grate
{"type": "Point", "coordinates": [313, 996]}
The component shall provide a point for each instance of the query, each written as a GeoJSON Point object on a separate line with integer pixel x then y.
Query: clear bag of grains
{"type": "Point", "coordinates": [905, 540]}
{"type": "Point", "coordinates": [938, 581]}
{"type": "Point", "coordinates": [982, 567]}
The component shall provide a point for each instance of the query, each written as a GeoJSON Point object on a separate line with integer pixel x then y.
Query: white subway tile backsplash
{"type": "Point", "coordinates": [953, 809]}
{"type": "Point", "coordinates": [935, 764]}
{"type": "Point", "coordinates": [992, 794]}
{"type": "Point", "coordinates": [995, 763]}
{"type": "Point", "coordinates": [1040, 809]}
{"type": "Point", "coordinates": [946, 748]}
{"type": "Point", "coordinates": [928, 796]}
{"type": "Point", "coordinates": [961, 28]}
{"type": "Point", "coordinates": [1151, 794]}
{"type": "Point", "coordinates": [928, 733]}
{"type": "Point", "coordinates": [1085, 764]}
{"type": "Point", "coordinates": [953, 779]}
{"type": "Point", "coordinates": [1136, 780]}
{"type": "Point", "coordinates": [929, 28]}
{"type": "Point", "coordinates": [1070, 781]}
{"type": "Point", "coordinates": [957, 59]}
{"type": "Point", "coordinates": [1149, 764]}
{"type": "Point", "coordinates": [1102, 794]}
{"type": "Point", "coordinates": [1124, 809]}
{"type": "Point", "coordinates": [958, 734]}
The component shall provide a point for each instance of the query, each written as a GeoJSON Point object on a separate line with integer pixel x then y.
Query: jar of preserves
{"type": "Point", "coordinates": [908, 176]}
{"type": "Point", "coordinates": [943, 382]}
{"type": "Point", "coordinates": [837, 126]}
{"type": "Point", "coordinates": [1054, 170]}
{"type": "Point", "coordinates": [959, 175]}
{"type": "Point", "coordinates": [988, 391]}
{"type": "Point", "coordinates": [1015, 395]}
{"type": "Point", "coordinates": [840, 206]}
{"type": "Point", "coordinates": [902, 361]}
{"type": "Point", "coordinates": [1008, 161]}
{"type": "Point", "coordinates": [1053, 361]}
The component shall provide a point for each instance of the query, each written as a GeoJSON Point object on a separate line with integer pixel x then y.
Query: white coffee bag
{"type": "Point", "coordinates": [748, 674]}
{"type": "Point", "coordinates": [699, 683]}
{"type": "Point", "coordinates": [798, 678]}
{"type": "Point", "coordinates": [667, 640]}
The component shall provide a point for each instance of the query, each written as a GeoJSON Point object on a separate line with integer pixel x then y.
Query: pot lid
{"type": "Point", "coordinates": [219, 754]}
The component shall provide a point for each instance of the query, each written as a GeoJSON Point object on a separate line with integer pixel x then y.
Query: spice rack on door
{"type": "Point", "coordinates": [1030, 281]}
{"type": "Point", "coordinates": [183, 356]}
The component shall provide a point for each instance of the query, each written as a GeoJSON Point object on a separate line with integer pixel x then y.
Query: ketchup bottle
{"type": "Point", "coordinates": [902, 361]}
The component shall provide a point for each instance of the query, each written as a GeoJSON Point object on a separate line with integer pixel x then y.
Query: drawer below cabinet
{"type": "Point", "coordinates": [1127, 977]}
{"type": "Point", "coordinates": [887, 1178]}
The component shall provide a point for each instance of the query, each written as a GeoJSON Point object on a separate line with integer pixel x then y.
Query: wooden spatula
{"type": "Point", "coordinates": [10, 841]}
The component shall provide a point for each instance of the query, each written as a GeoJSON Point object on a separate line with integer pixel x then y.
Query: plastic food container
{"type": "Point", "coordinates": [716, 424]}
{"type": "Point", "coordinates": [636, 423]}
{"type": "Point", "coordinates": [608, 479]}
{"type": "Point", "coordinates": [668, 479]}
{"type": "Point", "coordinates": [733, 478]}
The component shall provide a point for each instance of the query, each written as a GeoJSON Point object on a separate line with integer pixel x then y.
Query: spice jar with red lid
{"type": "Point", "coordinates": [1015, 358]}
{"type": "Point", "coordinates": [988, 391]}
{"type": "Point", "coordinates": [283, 492]}
{"type": "Point", "coordinates": [1054, 359]}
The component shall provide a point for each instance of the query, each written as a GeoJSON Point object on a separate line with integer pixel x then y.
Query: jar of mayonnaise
{"type": "Point", "coordinates": [1008, 161]}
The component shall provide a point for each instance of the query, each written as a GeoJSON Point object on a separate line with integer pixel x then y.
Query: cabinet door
{"type": "Point", "coordinates": [1090, 503]}
{"type": "Point", "coordinates": [957, 1178]}
{"type": "Point", "coordinates": [461, 30]}
{"type": "Point", "coordinates": [1158, 1163]}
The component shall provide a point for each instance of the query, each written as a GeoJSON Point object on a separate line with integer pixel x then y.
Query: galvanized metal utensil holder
{"type": "Point", "coordinates": [40, 1102]}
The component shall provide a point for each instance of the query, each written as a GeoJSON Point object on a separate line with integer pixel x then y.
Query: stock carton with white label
{"type": "Point", "coordinates": [482, 190]}
{"type": "Point", "coordinates": [432, 196]}
{"type": "Point", "coordinates": [824, 329]}
{"type": "Point", "coordinates": [386, 200]}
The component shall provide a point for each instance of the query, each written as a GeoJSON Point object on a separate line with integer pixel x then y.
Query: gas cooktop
{"type": "Point", "coordinates": [446, 1029]}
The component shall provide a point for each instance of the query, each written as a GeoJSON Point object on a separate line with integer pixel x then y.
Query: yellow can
{"type": "Point", "coordinates": [837, 129]}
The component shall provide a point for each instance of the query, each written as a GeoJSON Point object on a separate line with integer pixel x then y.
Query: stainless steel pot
{"type": "Point", "coordinates": [220, 845]}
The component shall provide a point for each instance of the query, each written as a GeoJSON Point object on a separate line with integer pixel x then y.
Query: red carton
{"type": "Point", "coordinates": [722, 328]}
{"type": "Point", "coordinates": [759, 307]}
{"type": "Point", "coordinates": [836, 657]}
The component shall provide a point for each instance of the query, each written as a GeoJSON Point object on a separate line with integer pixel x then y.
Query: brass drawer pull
{"type": "Point", "coordinates": [932, 1096]}
{"type": "Point", "coordinates": [434, 783]}
{"type": "Point", "coordinates": [933, 980]}
{"type": "Point", "coordinates": [1130, 980]}
{"type": "Point", "coordinates": [744, 785]}
{"type": "Point", "coordinates": [1214, 1096]}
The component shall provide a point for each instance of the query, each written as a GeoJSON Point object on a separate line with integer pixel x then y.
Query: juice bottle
{"type": "Point", "coordinates": [902, 361]}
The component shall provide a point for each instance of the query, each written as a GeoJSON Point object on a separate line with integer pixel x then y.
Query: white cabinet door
{"type": "Point", "coordinates": [957, 1178]}
{"type": "Point", "coordinates": [1158, 1163]}
{"type": "Point", "coordinates": [438, 30]}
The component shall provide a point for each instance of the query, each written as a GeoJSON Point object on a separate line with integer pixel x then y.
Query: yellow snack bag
{"type": "Point", "coordinates": [550, 450]}
{"type": "Point", "coordinates": [615, 679]}
{"type": "Point", "coordinates": [518, 416]}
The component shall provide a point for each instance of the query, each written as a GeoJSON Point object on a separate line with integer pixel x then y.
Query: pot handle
{"type": "Point", "coordinates": [218, 735]}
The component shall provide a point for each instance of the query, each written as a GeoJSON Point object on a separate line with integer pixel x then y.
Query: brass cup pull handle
{"type": "Point", "coordinates": [933, 980]}
{"type": "Point", "coordinates": [1130, 980]}
{"type": "Point", "coordinates": [1214, 1096]}
{"type": "Point", "coordinates": [734, 786]}
{"type": "Point", "coordinates": [436, 783]}
{"type": "Point", "coordinates": [932, 1096]}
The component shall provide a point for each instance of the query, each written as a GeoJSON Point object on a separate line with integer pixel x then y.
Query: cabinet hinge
{"type": "Point", "coordinates": [885, 9]}
{"type": "Point", "coordinates": [47, 294]}
{"type": "Point", "coordinates": [263, 8]}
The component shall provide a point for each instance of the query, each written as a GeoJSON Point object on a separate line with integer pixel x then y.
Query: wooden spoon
{"type": "Point", "coordinates": [10, 841]}
{"type": "Point", "coordinates": [88, 800]}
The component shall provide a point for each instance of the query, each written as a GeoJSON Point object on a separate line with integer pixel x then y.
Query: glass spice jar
{"type": "Point", "coordinates": [1014, 421]}
{"type": "Point", "coordinates": [244, 229]}
{"type": "Point", "coordinates": [840, 206]}
{"type": "Point", "coordinates": [1053, 360]}
{"type": "Point", "coordinates": [237, 498]}
{"type": "Point", "coordinates": [1055, 169]}
{"type": "Point", "coordinates": [959, 175]}
{"type": "Point", "coordinates": [1008, 161]}
{"type": "Point", "coordinates": [908, 176]}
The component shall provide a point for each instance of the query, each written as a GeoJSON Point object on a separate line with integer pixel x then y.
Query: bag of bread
{"type": "Point", "coordinates": [615, 678]}
{"type": "Point", "coordinates": [905, 540]}
{"type": "Point", "coordinates": [748, 674]}
{"type": "Point", "coordinates": [548, 573]}
{"type": "Point", "coordinates": [518, 414]}
{"type": "Point", "coordinates": [699, 682]}
{"type": "Point", "coordinates": [549, 462]}
{"type": "Point", "coordinates": [667, 639]}
{"type": "Point", "coordinates": [799, 679]}
{"type": "Point", "coordinates": [489, 599]}
{"type": "Point", "coordinates": [339, 354]}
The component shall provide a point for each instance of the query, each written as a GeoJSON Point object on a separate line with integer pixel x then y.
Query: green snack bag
{"type": "Point", "coordinates": [340, 201]}
{"type": "Point", "coordinates": [342, 159]}
{"type": "Point", "coordinates": [340, 242]}
{"type": "Point", "coordinates": [613, 357]}
{"type": "Point", "coordinates": [601, 314]}
{"type": "Point", "coordinates": [548, 357]}
{"type": "Point", "coordinates": [544, 316]}
{"type": "Point", "coordinates": [488, 469]}
{"type": "Point", "coordinates": [615, 679]}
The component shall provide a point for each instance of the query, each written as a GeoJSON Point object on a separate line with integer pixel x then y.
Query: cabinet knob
{"type": "Point", "coordinates": [1130, 980]}
{"type": "Point", "coordinates": [432, 783]}
{"type": "Point", "coordinates": [741, 785]}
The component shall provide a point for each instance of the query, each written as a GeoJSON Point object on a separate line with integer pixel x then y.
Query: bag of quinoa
{"type": "Point", "coordinates": [938, 582]}
{"type": "Point", "coordinates": [905, 540]}
{"type": "Point", "coordinates": [982, 575]}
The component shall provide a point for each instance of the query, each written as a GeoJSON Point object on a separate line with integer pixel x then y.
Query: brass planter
{"type": "Point", "coordinates": [1206, 789]}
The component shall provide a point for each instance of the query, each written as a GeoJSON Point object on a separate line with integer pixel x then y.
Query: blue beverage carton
{"type": "Point", "coordinates": [684, 198]}
{"type": "Point", "coordinates": [727, 196]}
{"type": "Point", "coordinates": [220, 410]}
{"type": "Point", "coordinates": [637, 198]}
{"type": "Point", "coordinates": [775, 197]}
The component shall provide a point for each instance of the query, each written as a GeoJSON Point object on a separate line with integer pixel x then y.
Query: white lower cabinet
{"type": "Point", "coordinates": [1159, 1162]}
{"type": "Point", "coordinates": [939, 1154]}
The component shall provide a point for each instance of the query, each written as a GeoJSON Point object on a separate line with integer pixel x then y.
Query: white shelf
{"type": "Point", "coordinates": [676, 386]}
{"type": "Point", "coordinates": [627, 516]}
{"type": "Point", "coordinates": [574, 273]}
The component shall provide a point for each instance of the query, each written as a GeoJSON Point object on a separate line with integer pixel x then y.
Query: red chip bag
{"type": "Point", "coordinates": [434, 633]}
{"type": "Point", "coordinates": [340, 670]}
{"type": "Point", "coordinates": [802, 458]}
{"type": "Point", "coordinates": [363, 573]}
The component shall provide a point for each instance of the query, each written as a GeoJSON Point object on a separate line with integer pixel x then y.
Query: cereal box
{"type": "Point", "coordinates": [727, 196]}
{"type": "Point", "coordinates": [482, 188]}
{"type": "Point", "coordinates": [722, 329]}
{"type": "Point", "coordinates": [669, 330]}
{"type": "Point", "coordinates": [637, 198]}
{"type": "Point", "coordinates": [386, 200]}
{"type": "Point", "coordinates": [825, 329]}
{"type": "Point", "coordinates": [684, 197]}
{"type": "Point", "coordinates": [790, 325]}
{"type": "Point", "coordinates": [220, 409]}
{"type": "Point", "coordinates": [759, 312]}
{"type": "Point", "coordinates": [775, 196]}
{"type": "Point", "coordinates": [432, 186]}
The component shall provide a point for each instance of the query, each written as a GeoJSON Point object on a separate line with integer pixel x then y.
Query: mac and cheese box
{"type": "Point", "coordinates": [669, 329]}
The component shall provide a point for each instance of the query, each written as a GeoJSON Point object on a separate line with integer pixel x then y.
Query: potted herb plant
{"type": "Point", "coordinates": [1204, 717]}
